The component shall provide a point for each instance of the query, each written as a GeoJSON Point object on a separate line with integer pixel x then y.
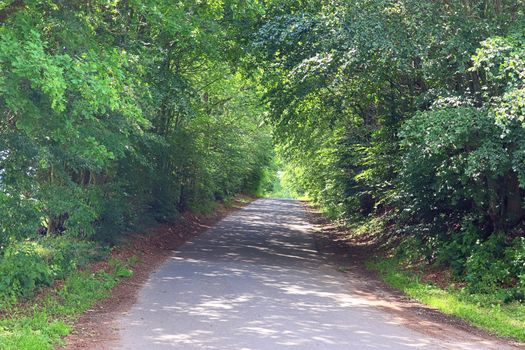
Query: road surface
{"type": "Point", "coordinates": [255, 281]}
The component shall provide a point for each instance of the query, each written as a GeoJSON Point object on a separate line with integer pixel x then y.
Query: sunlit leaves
{"type": "Point", "coordinates": [114, 108]}
{"type": "Point", "coordinates": [502, 60]}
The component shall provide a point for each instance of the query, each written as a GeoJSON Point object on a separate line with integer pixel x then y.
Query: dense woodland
{"type": "Point", "coordinates": [114, 113]}
{"type": "Point", "coordinates": [116, 109]}
{"type": "Point", "coordinates": [411, 112]}
{"type": "Point", "coordinates": [117, 112]}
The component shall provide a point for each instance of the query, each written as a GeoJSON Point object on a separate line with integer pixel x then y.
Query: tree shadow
{"type": "Point", "coordinates": [255, 281]}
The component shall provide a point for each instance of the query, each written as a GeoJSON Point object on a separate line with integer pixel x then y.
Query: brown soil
{"type": "Point", "coordinates": [350, 253]}
{"type": "Point", "coordinates": [95, 329]}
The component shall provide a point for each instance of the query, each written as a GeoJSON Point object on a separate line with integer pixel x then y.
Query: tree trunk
{"type": "Point", "coordinates": [514, 203]}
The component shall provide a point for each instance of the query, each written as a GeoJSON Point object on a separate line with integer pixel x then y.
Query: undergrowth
{"type": "Point", "coordinates": [27, 266]}
{"type": "Point", "coordinates": [483, 310]}
{"type": "Point", "coordinates": [38, 321]}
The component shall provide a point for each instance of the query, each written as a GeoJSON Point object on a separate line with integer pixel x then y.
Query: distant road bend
{"type": "Point", "coordinates": [255, 281]}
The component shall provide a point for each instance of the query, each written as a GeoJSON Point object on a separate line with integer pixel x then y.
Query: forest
{"type": "Point", "coordinates": [115, 113]}
{"type": "Point", "coordinates": [410, 113]}
{"type": "Point", "coordinates": [405, 113]}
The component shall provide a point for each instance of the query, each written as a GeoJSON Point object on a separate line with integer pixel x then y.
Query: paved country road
{"type": "Point", "coordinates": [255, 281]}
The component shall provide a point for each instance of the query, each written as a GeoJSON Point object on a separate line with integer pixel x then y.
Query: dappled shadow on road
{"type": "Point", "coordinates": [262, 233]}
{"type": "Point", "coordinates": [256, 282]}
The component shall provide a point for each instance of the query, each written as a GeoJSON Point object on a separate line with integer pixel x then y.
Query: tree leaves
{"type": "Point", "coordinates": [101, 96]}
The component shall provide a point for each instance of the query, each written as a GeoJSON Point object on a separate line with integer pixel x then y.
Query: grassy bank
{"type": "Point", "coordinates": [41, 323]}
{"type": "Point", "coordinates": [484, 311]}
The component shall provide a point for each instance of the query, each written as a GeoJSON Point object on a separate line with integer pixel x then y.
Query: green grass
{"type": "Point", "coordinates": [483, 311]}
{"type": "Point", "coordinates": [42, 326]}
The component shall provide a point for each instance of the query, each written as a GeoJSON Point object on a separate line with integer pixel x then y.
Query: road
{"type": "Point", "coordinates": [255, 281]}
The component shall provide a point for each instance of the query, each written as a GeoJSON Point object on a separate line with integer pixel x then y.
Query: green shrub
{"type": "Point", "coordinates": [486, 269]}
{"type": "Point", "coordinates": [410, 249]}
{"type": "Point", "coordinates": [65, 255]}
{"type": "Point", "coordinates": [22, 269]}
{"type": "Point", "coordinates": [493, 267]}
{"type": "Point", "coordinates": [515, 258]}
{"type": "Point", "coordinates": [43, 325]}
{"type": "Point", "coordinates": [117, 214]}
{"type": "Point", "coordinates": [120, 269]}
{"type": "Point", "coordinates": [489, 266]}
{"type": "Point", "coordinates": [29, 265]}
{"type": "Point", "coordinates": [454, 251]}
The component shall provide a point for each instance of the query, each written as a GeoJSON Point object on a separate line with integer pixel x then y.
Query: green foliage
{"type": "Point", "coordinates": [502, 61]}
{"type": "Point", "coordinates": [481, 310]}
{"type": "Point", "coordinates": [515, 255]}
{"type": "Point", "coordinates": [455, 160]}
{"type": "Point", "coordinates": [455, 252]}
{"type": "Point", "coordinates": [27, 266]}
{"type": "Point", "coordinates": [112, 111]}
{"type": "Point", "coordinates": [497, 268]}
{"type": "Point", "coordinates": [45, 324]}
{"type": "Point", "coordinates": [408, 109]}
{"type": "Point", "coordinates": [120, 270]}
{"type": "Point", "coordinates": [485, 270]}
{"type": "Point", "coordinates": [35, 332]}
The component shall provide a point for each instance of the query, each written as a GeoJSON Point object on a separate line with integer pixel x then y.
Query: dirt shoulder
{"type": "Point", "coordinates": [95, 329]}
{"type": "Point", "coordinates": [350, 255]}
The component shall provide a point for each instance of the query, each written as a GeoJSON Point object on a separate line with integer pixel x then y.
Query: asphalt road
{"type": "Point", "coordinates": [255, 281]}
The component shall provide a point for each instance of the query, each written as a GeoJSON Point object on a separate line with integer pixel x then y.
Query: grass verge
{"type": "Point", "coordinates": [507, 320]}
{"type": "Point", "coordinates": [42, 323]}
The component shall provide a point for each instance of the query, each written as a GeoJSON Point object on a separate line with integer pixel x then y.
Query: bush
{"type": "Point", "coordinates": [454, 251]}
{"type": "Point", "coordinates": [486, 269]}
{"type": "Point", "coordinates": [497, 267]}
{"type": "Point", "coordinates": [515, 257]}
{"type": "Point", "coordinates": [454, 163]}
{"type": "Point", "coordinates": [490, 266]}
{"type": "Point", "coordinates": [26, 266]}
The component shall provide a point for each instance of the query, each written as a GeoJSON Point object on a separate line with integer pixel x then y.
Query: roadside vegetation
{"type": "Point", "coordinates": [407, 118]}
{"type": "Point", "coordinates": [114, 115]}
{"type": "Point", "coordinates": [486, 311]}
{"type": "Point", "coordinates": [41, 324]}
{"type": "Point", "coordinates": [406, 115]}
